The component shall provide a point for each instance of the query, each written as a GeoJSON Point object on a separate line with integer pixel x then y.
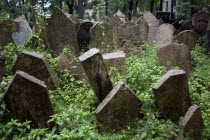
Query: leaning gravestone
{"type": "Point", "coordinates": [175, 55]}
{"type": "Point", "coordinates": [192, 125]}
{"type": "Point", "coordinates": [120, 108]}
{"type": "Point", "coordinates": [61, 32]}
{"type": "Point", "coordinates": [187, 26]}
{"type": "Point", "coordinates": [2, 65]}
{"type": "Point", "coordinates": [38, 66]}
{"type": "Point", "coordinates": [95, 69]}
{"type": "Point", "coordinates": [207, 44]}
{"type": "Point", "coordinates": [153, 23]}
{"type": "Point", "coordinates": [27, 98]}
{"type": "Point", "coordinates": [96, 35]}
{"type": "Point", "coordinates": [172, 94]}
{"type": "Point", "coordinates": [165, 33]}
{"type": "Point", "coordinates": [144, 29]}
{"type": "Point", "coordinates": [188, 38]}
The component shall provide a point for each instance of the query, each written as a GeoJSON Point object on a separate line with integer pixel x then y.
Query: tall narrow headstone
{"type": "Point", "coordinates": [27, 98]}
{"type": "Point", "coordinates": [120, 108]}
{"type": "Point", "coordinates": [95, 69]}
{"type": "Point", "coordinates": [144, 29]}
{"type": "Point", "coordinates": [96, 34]}
{"type": "Point", "coordinates": [38, 66]}
{"type": "Point", "coordinates": [172, 94]}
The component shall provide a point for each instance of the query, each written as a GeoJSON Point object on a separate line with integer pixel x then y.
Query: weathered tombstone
{"type": "Point", "coordinates": [96, 34]}
{"type": "Point", "coordinates": [188, 38]}
{"type": "Point", "coordinates": [120, 15]}
{"type": "Point", "coordinates": [38, 66]}
{"type": "Point", "coordinates": [83, 35]}
{"type": "Point", "coordinates": [70, 64]}
{"type": "Point", "coordinates": [116, 60]}
{"type": "Point", "coordinates": [24, 32]}
{"type": "Point", "coordinates": [192, 125]}
{"type": "Point", "coordinates": [187, 26]}
{"type": "Point", "coordinates": [153, 23]}
{"type": "Point", "coordinates": [61, 32]}
{"type": "Point", "coordinates": [95, 69]}
{"type": "Point", "coordinates": [207, 43]}
{"type": "Point", "coordinates": [172, 94]}
{"type": "Point", "coordinates": [27, 98]}
{"type": "Point", "coordinates": [144, 28]}
{"type": "Point", "coordinates": [200, 22]}
{"type": "Point", "coordinates": [175, 55]}
{"type": "Point", "coordinates": [165, 33]}
{"type": "Point", "coordinates": [2, 65]}
{"type": "Point", "coordinates": [120, 108]}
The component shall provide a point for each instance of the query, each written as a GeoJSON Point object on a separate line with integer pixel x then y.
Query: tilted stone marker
{"type": "Point", "coordinates": [172, 94]}
{"type": "Point", "coordinates": [144, 29]}
{"type": "Point", "coordinates": [175, 55]}
{"type": "Point", "coordinates": [116, 60]}
{"type": "Point", "coordinates": [27, 98]}
{"type": "Point", "coordinates": [165, 33]}
{"type": "Point", "coordinates": [120, 108]}
{"type": "Point", "coordinates": [188, 38]}
{"type": "Point", "coordinates": [187, 26]}
{"type": "Point", "coordinates": [192, 125]}
{"type": "Point", "coordinates": [95, 69]}
{"type": "Point", "coordinates": [38, 66]}
{"type": "Point", "coordinates": [96, 34]}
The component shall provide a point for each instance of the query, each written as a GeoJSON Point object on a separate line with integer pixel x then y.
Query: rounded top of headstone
{"type": "Point", "coordinates": [88, 54]}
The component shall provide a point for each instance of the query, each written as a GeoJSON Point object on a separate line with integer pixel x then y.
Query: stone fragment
{"type": "Point", "coordinates": [95, 69]}
{"type": "Point", "coordinates": [38, 66]}
{"type": "Point", "coordinates": [165, 33]}
{"type": "Point", "coordinates": [172, 94]}
{"type": "Point", "coordinates": [2, 65]}
{"type": "Point", "coordinates": [188, 38]}
{"type": "Point", "coordinates": [116, 60]}
{"type": "Point", "coordinates": [153, 23]}
{"type": "Point", "coordinates": [120, 108]}
{"type": "Point", "coordinates": [175, 55]}
{"type": "Point", "coordinates": [192, 125]}
{"type": "Point", "coordinates": [144, 29]}
{"type": "Point", "coordinates": [61, 33]}
{"type": "Point", "coordinates": [27, 98]}
{"type": "Point", "coordinates": [96, 34]}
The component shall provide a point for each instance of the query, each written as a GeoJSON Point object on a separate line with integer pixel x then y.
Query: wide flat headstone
{"type": "Point", "coordinates": [95, 69]}
{"type": "Point", "coordinates": [192, 125]}
{"type": "Point", "coordinates": [96, 34]}
{"type": "Point", "coordinates": [61, 33]}
{"type": "Point", "coordinates": [165, 33]}
{"type": "Point", "coordinates": [116, 60]}
{"type": "Point", "coordinates": [27, 98]}
{"type": "Point", "coordinates": [188, 38]}
{"type": "Point", "coordinates": [172, 94]}
{"type": "Point", "coordinates": [153, 23]}
{"type": "Point", "coordinates": [38, 66]}
{"type": "Point", "coordinates": [120, 108]}
{"type": "Point", "coordinates": [175, 55]}
{"type": "Point", "coordinates": [2, 65]}
{"type": "Point", "coordinates": [144, 29]}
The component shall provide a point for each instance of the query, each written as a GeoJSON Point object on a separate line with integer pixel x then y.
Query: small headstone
{"type": "Point", "coordinates": [144, 28]}
{"type": "Point", "coordinates": [96, 34]}
{"type": "Point", "coordinates": [116, 60]}
{"type": "Point", "coordinates": [2, 65]}
{"type": "Point", "coordinates": [95, 69]}
{"type": "Point", "coordinates": [120, 108]}
{"type": "Point", "coordinates": [38, 66]}
{"type": "Point", "coordinates": [172, 94]}
{"type": "Point", "coordinates": [192, 125]}
{"type": "Point", "coordinates": [188, 38]}
{"type": "Point", "coordinates": [27, 98]}
{"type": "Point", "coordinates": [165, 33]}
{"type": "Point", "coordinates": [153, 23]}
{"type": "Point", "coordinates": [175, 55]}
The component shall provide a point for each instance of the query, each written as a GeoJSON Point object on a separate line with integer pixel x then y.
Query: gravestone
{"type": "Point", "coordinates": [192, 125]}
{"type": "Point", "coordinates": [96, 34]}
{"type": "Point", "coordinates": [144, 29]}
{"type": "Point", "coordinates": [153, 23]}
{"type": "Point", "coordinates": [120, 108]}
{"type": "Point", "coordinates": [38, 66]}
{"type": "Point", "coordinates": [83, 35]}
{"type": "Point", "coordinates": [61, 33]}
{"type": "Point", "coordinates": [116, 60]}
{"type": "Point", "coordinates": [120, 15]}
{"type": "Point", "coordinates": [2, 65]}
{"type": "Point", "coordinates": [27, 98]}
{"type": "Point", "coordinates": [200, 22]}
{"type": "Point", "coordinates": [24, 32]}
{"type": "Point", "coordinates": [70, 64]}
{"type": "Point", "coordinates": [188, 38]}
{"type": "Point", "coordinates": [165, 33]}
{"type": "Point", "coordinates": [187, 26]}
{"type": "Point", "coordinates": [95, 69]}
{"type": "Point", "coordinates": [175, 55]}
{"type": "Point", "coordinates": [172, 94]}
{"type": "Point", "coordinates": [207, 43]}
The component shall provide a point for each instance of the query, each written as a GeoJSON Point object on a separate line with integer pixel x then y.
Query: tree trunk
{"type": "Point", "coordinates": [7, 2]}
{"type": "Point", "coordinates": [151, 5]}
{"type": "Point", "coordinates": [71, 6]}
{"type": "Point", "coordinates": [135, 8]}
{"type": "Point", "coordinates": [33, 4]}
{"type": "Point", "coordinates": [130, 9]}
{"type": "Point", "coordinates": [106, 7]}
{"type": "Point", "coordinates": [60, 3]}
{"type": "Point", "coordinates": [161, 5]}
{"type": "Point", "coordinates": [80, 9]}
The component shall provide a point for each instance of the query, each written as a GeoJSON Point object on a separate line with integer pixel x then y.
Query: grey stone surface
{"type": "Point", "coordinates": [144, 29]}
{"type": "Point", "coordinates": [96, 34]}
{"type": "Point", "coordinates": [38, 66]}
{"type": "Point", "coordinates": [95, 69]}
{"type": "Point", "coordinates": [27, 98]}
{"type": "Point", "coordinates": [120, 108]}
{"type": "Point", "coordinates": [172, 94]}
